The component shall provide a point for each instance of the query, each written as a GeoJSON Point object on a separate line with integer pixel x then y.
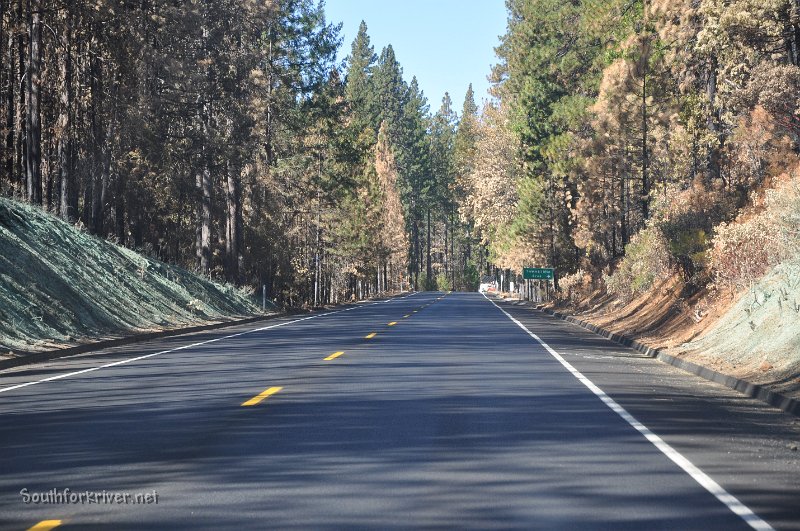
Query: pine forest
{"type": "Point", "coordinates": [622, 141]}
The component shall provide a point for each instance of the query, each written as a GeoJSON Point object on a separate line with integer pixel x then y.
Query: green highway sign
{"type": "Point", "coordinates": [537, 273]}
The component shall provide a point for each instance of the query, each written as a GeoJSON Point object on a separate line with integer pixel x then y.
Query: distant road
{"type": "Point", "coordinates": [428, 411]}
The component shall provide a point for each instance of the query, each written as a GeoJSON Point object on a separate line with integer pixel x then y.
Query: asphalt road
{"type": "Point", "coordinates": [454, 414]}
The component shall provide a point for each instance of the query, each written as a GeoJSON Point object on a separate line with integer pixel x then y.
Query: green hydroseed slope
{"type": "Point", "coordinates": [60, 286]}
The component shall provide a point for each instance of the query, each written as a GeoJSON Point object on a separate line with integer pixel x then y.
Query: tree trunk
{"type": "Point", "coordinates": [10, 117]}
{"type": "Point", "coordinates": [714, 170]}
{"type": "Point", "coordinates": [446, 253]}
{"type": "Point", "coordinates": [796, 41]}
{"type": "Point", "coordinates": [119, 208]}
{"type": "Point", "coordinates": [645, 199]}
{"type": "Point", "coordinates": [22, 98]}
{"type": "Point", "coordinates": [33, 156]}
{"type": "Point", "coordinates": [233, 224]}
{"type": "Point", "coordinates": [428, 266]}
{"type": "Point", "coordinates": [453, 250]}
{"type": "Point", "coordinates": [99, 145]}
{"type": "Point", "coordinates": [416, 258]}
{"type": "Point", "coordinates": [6, 71]}
{"type": "Point", "coordinates": [793, 33]}
{"type": "Point", "coordinates": [623, 214]}
{"type": "Point", "coordinates": [203, 182]}
{"type": "Point", "coordinates": [68, 202]}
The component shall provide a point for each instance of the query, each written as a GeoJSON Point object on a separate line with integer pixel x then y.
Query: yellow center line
{"type": "Point", "coordinates": [392, 323]}
{"type": "Point", "coordinates": [44, 525]}
{"type": "Point", "coordinates": [258, 398]}
{"type": "Point", "coordinates": [371, 335]}
{"type": "Point", "coordinates": [406, 316]}
{"type": "Point", "coordinates": [334, 355]}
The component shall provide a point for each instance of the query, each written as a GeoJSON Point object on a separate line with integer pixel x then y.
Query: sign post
{"type": "Point", "coordinates": [538, 273]}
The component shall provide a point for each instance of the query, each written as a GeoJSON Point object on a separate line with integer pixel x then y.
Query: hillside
{"type": "Point", "coordinates": [753, 334]}
{"type": "Point", "coordinates": [61, 286]}
{"type": "Point", "coordinates": [758, 336]}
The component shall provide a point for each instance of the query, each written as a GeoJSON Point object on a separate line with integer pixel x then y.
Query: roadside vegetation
{"type": "Point", "coordinates": [657, 170]}
{"type": "Point", "coordinates": [224, 136]}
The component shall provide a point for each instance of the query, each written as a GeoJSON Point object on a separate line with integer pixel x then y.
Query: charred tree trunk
{"type": "Point", "coordinates": [20, 122]}
{"type": "Point", "coordinates": [203, 182]}
{"type": "Point", "coordinates": [793, 33]}
{"type": "Point", "coordinates": [623, 214]}
{"type": "Point", "coordinates": [119, 209]}
{"type": "Point", "coordinates": [233, 226]}
{"type": "Point", "coordinates": [104, 135]}
{"type": "Point", "coordinates": [10, 118]}
{"type": "Point", "coordinates": [33, 156]}
{"type": "Point", "coordinates": [68, 202]}
{"type": "Point", "coordinates": [714, 169]}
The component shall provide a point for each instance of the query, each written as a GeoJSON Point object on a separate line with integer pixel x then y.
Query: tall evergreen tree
{"type": "Point", "coordinates": [413, 160]}
{"type": "Point", "coordinates": [391, 94]}
{"type": "Point", "coordinates": [359, 91]}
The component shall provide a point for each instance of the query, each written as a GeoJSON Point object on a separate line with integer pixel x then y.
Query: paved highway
{"type": "Point", "coordinates": [427, 411]}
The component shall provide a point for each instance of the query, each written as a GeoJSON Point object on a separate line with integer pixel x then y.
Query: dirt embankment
{"type": "Point", "coordinates": [60, 286]}
{"type": "Point", "coordinates": [753, 335]}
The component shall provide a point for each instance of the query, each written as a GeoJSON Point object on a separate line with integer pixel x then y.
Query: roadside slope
{"type": "Point", "coordinates": [758, 337]}
{"type": "Point", "coordinates": [753, 334]}
{"type": "Point", "coordinates": [60, 286]}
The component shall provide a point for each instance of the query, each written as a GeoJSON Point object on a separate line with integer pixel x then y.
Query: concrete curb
{"type": "Point", "coordinates": [789, 405]}
{"type": "Point", "coordinates": [31, 358]}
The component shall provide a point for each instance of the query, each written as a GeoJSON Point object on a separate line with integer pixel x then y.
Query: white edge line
{"type": "Point", "coordinates": [676, 457]}
{"type": "Point", "coordinates": [184, 347]}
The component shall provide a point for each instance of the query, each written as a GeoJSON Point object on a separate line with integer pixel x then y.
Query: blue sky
{"type": "Point", "coordinates": [447, 44]}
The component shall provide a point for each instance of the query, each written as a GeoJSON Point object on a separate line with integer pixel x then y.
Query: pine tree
{"type": "Point", "coordinates": [359, 91]}
{"type": "Point", "coordinates": [391, 94]}
{"type": "Point", "coordinates": [413, 160]}
{"type": "Point", "coordinates": [465, 140]}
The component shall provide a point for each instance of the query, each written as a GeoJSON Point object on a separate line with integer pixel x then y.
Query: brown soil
{"type": "Point", "coordinates": [663, 319]}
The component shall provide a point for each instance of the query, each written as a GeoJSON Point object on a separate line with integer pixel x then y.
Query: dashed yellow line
{"type": "Point", "coordinates": [406, 316]}
{"type": "Point", "coordinates": [392, 323]}
{"type": "Point", "coordinates": [260, 397]}
{"type": "Point", "coordinates": [45, 525]}
{"type": "Point", "coordinates": [334, 355]}
{"type": "Point", "coordinates": [370, 335]}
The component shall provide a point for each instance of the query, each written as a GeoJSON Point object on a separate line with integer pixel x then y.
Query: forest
{"type": "Point", "coordinates": [223, 136]}
{"type": "Point", "coordinates": [653, 137]}
{"type": "Point", "coordinates": [622, 140]}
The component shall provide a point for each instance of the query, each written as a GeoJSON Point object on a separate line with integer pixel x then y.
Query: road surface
{"type": "Point", "coordinates": [428, 411]}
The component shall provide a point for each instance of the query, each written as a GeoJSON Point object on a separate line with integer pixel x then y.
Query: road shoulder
{"type": "Point", "coordinates": [744, 444]}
